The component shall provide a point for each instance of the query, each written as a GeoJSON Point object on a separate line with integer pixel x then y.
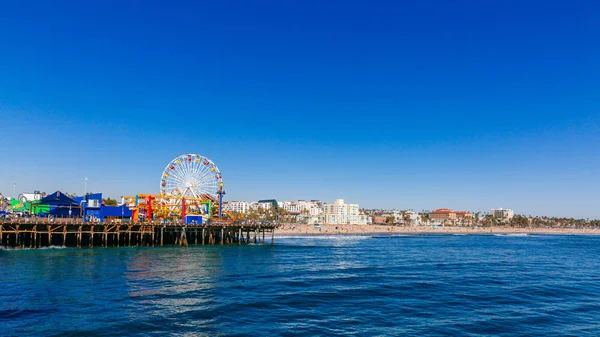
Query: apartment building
{"type": "Point", "coordinates": [342, 213]}
{"type": "Point", "coordinates": [502, 213]}
{"type": "Point", "coordinates": [236, 206]}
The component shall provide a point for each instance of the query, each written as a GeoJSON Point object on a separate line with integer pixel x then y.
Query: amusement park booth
{"type": "Point", "coordinates": [91, 206]}
{"type": "Point", "coordinates": [93, 209]}
{"type": "Point", "coordinates": [193, 219]}
{"type": "Point", "coordinates": [115, 212]}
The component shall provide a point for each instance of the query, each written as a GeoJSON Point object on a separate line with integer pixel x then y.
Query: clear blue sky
{"type": "Point", "coordinates": [396, 104]}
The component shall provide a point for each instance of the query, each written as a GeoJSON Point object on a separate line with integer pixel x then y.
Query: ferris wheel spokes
{"type": "Point", "coordinates": [191, 175]}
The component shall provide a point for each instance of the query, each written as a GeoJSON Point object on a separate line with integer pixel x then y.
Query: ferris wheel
{"type": "Point", "coordinates": [191, 175]}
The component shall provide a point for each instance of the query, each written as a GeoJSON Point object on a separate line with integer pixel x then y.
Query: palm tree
{"type": "Point", "coordinates": [425, 216]}
{"type": "Point", "coordinates": [282, 215]}
{"type": "Point", "coordinates": [476, 218]}
{"type": "Point", "coordinates": [406, 218]}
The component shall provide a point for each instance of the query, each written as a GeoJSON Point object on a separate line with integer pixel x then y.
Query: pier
{"type": "Point", "coordinates": [23, 233]}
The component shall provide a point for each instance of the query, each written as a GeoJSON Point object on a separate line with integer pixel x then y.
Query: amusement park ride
{"type": "Point", "coordinates": [190, 185]}
{"type": "Point", "coordinates": [188, 210]}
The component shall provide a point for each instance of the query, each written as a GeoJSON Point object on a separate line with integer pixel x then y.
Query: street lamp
{"type": "Point", "coordinates": [14, 188]}
{"type": "Point", "coordinates": [85, 187]}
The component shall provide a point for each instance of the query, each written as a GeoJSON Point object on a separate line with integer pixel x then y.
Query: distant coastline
{"type": "Point", "coordinates": [303, 229]}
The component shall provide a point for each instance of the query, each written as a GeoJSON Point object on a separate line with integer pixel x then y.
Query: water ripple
{"type": "Point", "coordinates": [305, 286]}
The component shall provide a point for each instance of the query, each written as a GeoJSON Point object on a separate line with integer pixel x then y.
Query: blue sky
{"type": "Point", "coordinates": [393, 104]}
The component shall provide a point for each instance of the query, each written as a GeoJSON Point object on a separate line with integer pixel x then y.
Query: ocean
{"type": "Point", "coordinates": [420, 285]}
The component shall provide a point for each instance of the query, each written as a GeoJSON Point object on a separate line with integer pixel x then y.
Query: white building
{"type": "Point", "coordinates": [305, 211]}
{"type": "Point", "coordinates": [301, 207]}
{"type": "Point", "coordinates": [255, 205]}
{"type": "Point", "coordinates": [310, 207]}
{"type": "Point", "coordinates": [236, 206]}
{"type": "Point", "coordinates": [289, 206]}
{"type": "Point", "coordinates": [342, 213]}
{"type": "Point", "coordinates": [501, 213]}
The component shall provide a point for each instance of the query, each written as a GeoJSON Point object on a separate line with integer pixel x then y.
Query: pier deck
{"type": "Point", "coordinates": [42, 233]}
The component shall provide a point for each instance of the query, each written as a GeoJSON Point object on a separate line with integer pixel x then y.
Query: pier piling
{"type": "Point", "coordinates": [21, 233]}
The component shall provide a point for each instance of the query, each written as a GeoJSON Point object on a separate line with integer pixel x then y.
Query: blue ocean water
{"type": "Point", "coordinates": [445, 285]}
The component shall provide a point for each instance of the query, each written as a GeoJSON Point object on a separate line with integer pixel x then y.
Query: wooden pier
{"type": "Point", "coordinates": [37, 234]}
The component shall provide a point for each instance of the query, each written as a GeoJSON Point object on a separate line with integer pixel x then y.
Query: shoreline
{"type": "Point", "coordinates": [303, 229]}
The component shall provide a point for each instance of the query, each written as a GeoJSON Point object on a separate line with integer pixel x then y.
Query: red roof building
{"type": "Point", "coordinates": [443, 214]}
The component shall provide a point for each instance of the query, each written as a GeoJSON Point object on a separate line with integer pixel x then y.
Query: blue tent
{"type": "Point", "coordinates": [60, 205]}
{"type": "Point", "coordinates": [58, 199]}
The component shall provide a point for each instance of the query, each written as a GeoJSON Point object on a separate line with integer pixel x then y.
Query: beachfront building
{"type": "Point", "coordinates": [301, 207]}
{"type": "Point", "coordinates": [342, 213]}
{"type": "Point", "coordinates": [241, 207]}
{"type": "Point", "coordinates": [501, 213]}
{"type": "Point", "coordinates": [290, 207]}
{"type": "Point", "coordinates": [442, 214]}
{"type": "Point", "coordinates": [448, 215]}
{"type": "Point", "coordinates": [265, 205]}
{"type": "Point", "coordinates": [304, 211]}
{"type": "Point", "coordinates": [312, 207]}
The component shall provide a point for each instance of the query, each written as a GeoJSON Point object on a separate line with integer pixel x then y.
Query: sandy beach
{"type": "Point", "coordinates": [298, 229]}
